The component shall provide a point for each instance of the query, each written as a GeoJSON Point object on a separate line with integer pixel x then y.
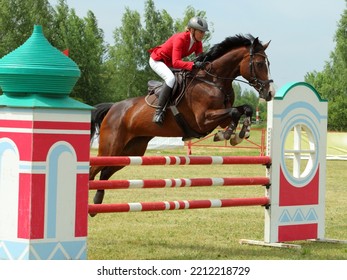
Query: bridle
{"type": "Point", "coordinates": [258, 84]}
{"type": "Point", "coordinates": [254, 80]}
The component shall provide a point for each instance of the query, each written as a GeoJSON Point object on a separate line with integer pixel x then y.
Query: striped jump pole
{"type": "Point", "coordinates": [177, 183]}
{"type": "Point", "coordinates": [177, 205]}
{"type": "Point", "coordinates": [177, 160]}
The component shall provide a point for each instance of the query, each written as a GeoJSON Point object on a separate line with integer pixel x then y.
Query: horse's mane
{"type": "Point", "coordinates": [225, 46]}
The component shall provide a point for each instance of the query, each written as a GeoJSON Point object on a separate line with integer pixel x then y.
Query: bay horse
{"type": "Point", "coordinates": [126, 127]}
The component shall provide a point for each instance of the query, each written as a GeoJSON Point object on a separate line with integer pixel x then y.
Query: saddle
{"type": "Point", "coordinates": [178, 91]}
{"type": "Point", "coordinates": [154, 89]}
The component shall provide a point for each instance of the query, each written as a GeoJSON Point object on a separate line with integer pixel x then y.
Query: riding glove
{"type": "Point", "coordinates": [199, 64]}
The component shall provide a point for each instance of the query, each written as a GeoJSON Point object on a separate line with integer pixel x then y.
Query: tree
{"type": "Point", "coordinates": [180, 24]}
{"type": "Point", "coordinates": [86, 46]}
{"type": "Point", "coordinates": [331, 83]}
{"type": "Point", "coordinates": [65, 30]}
{"type": "Point", "coordinates": [155, 21]}
{"type": "Point", "coordinates": [85, 42]}
{"type": "Point", "coordinates": [125, 57]}
{"type": "Point", "coordinates": [17, 19]}
{"type": "Point", "coordinates": [248, 96]}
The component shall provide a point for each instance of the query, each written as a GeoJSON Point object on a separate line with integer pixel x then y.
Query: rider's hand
{"type": "Point", "coordinates": [199, 65]}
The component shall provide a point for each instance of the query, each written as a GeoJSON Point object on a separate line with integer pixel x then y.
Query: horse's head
{"type": "Point", "coordinates": [240, 55]}
{"type": "Point", "coordinates": [255, 69]}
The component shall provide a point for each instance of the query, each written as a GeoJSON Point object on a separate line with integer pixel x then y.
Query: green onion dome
{"type": "Point", "coordinates": [38, 67]}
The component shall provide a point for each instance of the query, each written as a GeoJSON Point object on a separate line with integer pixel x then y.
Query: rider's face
{"type": "Point", "coordinates": [199, 35]}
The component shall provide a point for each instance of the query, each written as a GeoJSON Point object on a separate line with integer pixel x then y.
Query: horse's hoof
{"type": "Point", "coordinates": [227, 134]}
{"type": "Point", "coordinates": [242, 134]}
{"type": "Point", "coordinates": [219, 136]}
{"type": "Point", "coordinates": [235, 140]}
{"type": "Point", "coordinates": [98, 198]}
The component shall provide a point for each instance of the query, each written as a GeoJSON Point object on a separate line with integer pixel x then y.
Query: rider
{"type": "Point", "coordinates": [170, 54]}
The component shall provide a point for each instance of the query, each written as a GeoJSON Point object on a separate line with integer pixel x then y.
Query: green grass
{"type": "Point", "coordinates": [211, 234]}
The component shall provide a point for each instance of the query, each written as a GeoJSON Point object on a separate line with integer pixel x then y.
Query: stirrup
{"type": "Point", "coordinates": [158, 117]}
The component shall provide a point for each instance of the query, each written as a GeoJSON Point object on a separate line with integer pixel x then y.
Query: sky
{"type": "Point", "coordinates": [301, 31]}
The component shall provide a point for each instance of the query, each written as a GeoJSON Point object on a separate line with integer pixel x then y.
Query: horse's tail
{"type": "Point", "coordinates": [97, 117]}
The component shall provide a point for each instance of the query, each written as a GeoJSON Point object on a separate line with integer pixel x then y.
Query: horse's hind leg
{"type": "Point", "coordinates": [106, 173]}
{"type": "Point", "coordinates": [135, 147]}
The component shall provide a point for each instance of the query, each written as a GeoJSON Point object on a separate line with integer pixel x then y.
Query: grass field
{"type": "Point", "coordinates": [207, 234]}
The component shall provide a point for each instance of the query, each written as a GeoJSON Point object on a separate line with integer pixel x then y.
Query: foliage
{"type": "Point", "coordinates": [17, 19]}
{"type": "Point", "coordinates": [65, 30]}
{"type": "Point", "coordinates": [118, 71]}
{"type": "Point", "coordinates": [331, 83]}
{"type": "Point", "coordinates": [108, 72]}
{"type": "Point", "coordinates": [248, 96]}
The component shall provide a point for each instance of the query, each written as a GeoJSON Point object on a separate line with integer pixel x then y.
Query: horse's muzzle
{"type": "Point", "coordinates": [271, 93]}
{"type": "Point", "coordinates": [267, 90]}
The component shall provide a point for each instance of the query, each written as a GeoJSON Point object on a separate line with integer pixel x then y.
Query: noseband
{"type": "Point", "coordinates": [258, 84]}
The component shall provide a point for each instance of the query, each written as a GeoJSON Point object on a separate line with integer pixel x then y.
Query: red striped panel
{"type": "Point", "coordinates": [31, 206]}
{"type": "Point", "coordinates": [62, 125]}
{"type": "Point", "coordinates": [297, 232]}
{"type": "Point", "coordinates": [45, 124]}
{"type": "Point", "coordinates": [81, 214]}
{"type": "Point", "coordinates": [306, 195]}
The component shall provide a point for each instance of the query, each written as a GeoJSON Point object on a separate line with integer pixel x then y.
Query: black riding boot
{"type": "Point", "coordinates": [164, 96]}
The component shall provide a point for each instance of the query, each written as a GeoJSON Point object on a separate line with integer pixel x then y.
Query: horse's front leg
{"type": "Point", "coordinates": [246, 126]}
{"type": "Point", "coordinates": [230, 133]}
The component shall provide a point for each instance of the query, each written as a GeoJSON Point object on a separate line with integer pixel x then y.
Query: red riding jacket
{"type": "Point", "coordinates": [174, 49]}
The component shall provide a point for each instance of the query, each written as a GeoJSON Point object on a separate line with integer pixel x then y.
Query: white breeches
{"type": "Point", "coordinates": [163, 71]}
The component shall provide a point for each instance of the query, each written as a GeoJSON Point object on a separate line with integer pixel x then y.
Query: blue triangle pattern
{"type": "Point", "coordinates": [43, 249]}
{"type": "Point", "coordinates": [59, 255]}
{"type": "Point", "coordinates": [3, 254]}
{"type": "Point", "coordinates": [74, 249]}
{"type": "Point", "coordinates": [15, 249]}
{"type": "Point", "coordinates": [11, 250]}
{"type": "Point", "coordinates": [311, 215]}
{"type": "Point", "coordinates": [285, 217]}
{"type": "Point", "coordinates": [61, 250]}
{"type": "Point", "coordinates": [298, 216]}
{"type": "Point", "coordinates": [26, 255]}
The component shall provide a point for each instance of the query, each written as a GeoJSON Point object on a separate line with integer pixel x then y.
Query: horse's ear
{"type": "Point", "coordinates": [255, 42]}
{"type": "Point", "coordinates": [266, 45]}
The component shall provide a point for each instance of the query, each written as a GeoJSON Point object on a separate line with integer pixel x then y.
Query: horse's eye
{"type": "Point", "coordinates": [260, 63]}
